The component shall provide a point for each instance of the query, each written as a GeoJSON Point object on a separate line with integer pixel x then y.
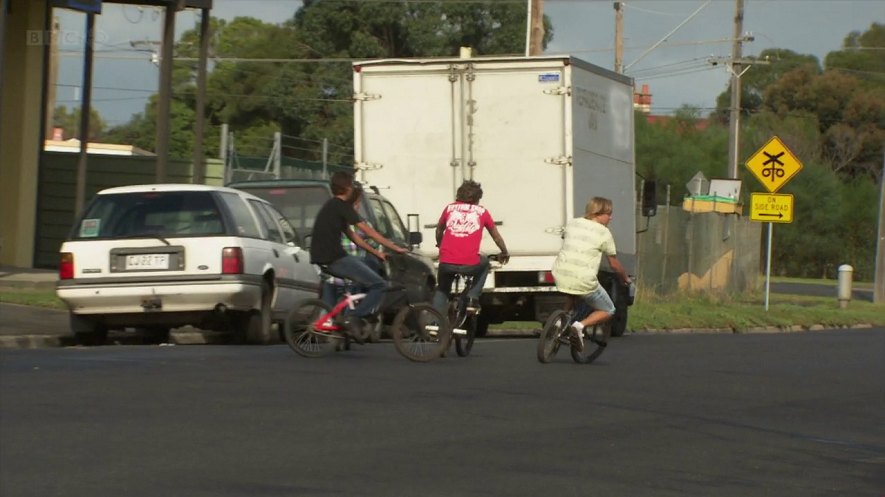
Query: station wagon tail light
{"type": "Point", "coordinates": [545, 277]}
{"type": "Point", "coordinates": [232, 260]}
{"type": "Point", "coordinates": [66, 266]}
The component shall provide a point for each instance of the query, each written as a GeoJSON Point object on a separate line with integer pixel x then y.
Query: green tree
{"type": "Point", "coordinates": [69, 122]}
{"type": "Point", "coordinates": [671, 152]}
{"type": "Point", "coordinates": [862, 55]}
{"type": "Point", "coordinates": [772, 64]}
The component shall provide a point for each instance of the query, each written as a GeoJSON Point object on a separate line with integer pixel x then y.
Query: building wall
{"type": "Point", "coordinates": [20, 131]}
{"type": "Point", "coordinates": [55, 209]}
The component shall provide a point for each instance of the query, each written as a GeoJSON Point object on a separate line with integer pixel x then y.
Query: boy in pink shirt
{"type": "Point", "coordinates": [458, 236]}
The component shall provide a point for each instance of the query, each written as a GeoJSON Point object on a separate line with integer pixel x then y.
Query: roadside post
{"type": "Point", "coordinates": [773, 165]}
{"type": "Point", "coordinates": [844, 287]}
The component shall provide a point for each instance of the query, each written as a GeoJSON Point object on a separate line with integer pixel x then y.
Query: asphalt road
{"type": "Point", "coordinates": [799, 414]}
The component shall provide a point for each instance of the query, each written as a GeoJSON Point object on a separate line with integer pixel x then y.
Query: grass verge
{"type": "Point", "coordinates": [33, 297]}
{"type": "Point", "coordinates": [737, 312]}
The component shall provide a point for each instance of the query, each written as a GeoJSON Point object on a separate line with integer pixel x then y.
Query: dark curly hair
{"type": "Point", "coordinates": [340, 182]}
{"type": "Point", "coordinates": [470, 191]}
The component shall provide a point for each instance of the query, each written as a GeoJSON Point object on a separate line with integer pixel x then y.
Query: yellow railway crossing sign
{"type": "Point", "coordinates": [771, 207]}
{"type": "Point", "coordinates": [774, 164]}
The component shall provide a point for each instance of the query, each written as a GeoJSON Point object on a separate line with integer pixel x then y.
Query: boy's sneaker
{"type": "Point", "coordinates": [576, 339]}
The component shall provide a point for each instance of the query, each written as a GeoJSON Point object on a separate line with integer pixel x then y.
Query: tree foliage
{"type": "Point", "coordinates": [69, 122]}
{"type": "Point", "coordinates": [307, 93]}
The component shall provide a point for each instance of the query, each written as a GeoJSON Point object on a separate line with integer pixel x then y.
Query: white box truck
{"type": "Point", "coordinates": [541, 134]}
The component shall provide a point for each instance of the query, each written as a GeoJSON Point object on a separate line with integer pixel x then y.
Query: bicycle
{"type": "Point", "coordinates": [313, 329]}
{"type": "Point", "coordinates": [557, 330]}
{"type": "Point", "coordinates": [462, 316]}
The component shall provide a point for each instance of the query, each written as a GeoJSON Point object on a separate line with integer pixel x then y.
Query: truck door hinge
{"type": "Point", "coordinates": [366, 166]}
{"type": "Point", "coordinates": [559, 90]}
{"type": "Point", "coordinates": [562, 160]}
{"type": "Point", "coordinates": [366, 96]}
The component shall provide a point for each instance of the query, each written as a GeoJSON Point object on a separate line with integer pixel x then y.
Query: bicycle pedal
{"type": "Point", "coordinates": [459, 331]}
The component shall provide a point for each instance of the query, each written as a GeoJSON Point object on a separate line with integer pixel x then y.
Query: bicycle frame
{"type": "Point", "coordinates": [326, 322]}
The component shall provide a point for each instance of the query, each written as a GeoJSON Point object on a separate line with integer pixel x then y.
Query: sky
{"type": "Point", "coordinates": [689, 33]}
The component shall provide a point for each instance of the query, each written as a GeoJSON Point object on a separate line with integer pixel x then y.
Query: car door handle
{"type": "Point", "coordinates": [275, 253]}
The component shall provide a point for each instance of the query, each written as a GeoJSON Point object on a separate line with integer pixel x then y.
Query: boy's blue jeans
{"type": "Point", "coordinates": [446, 275]}
{"type": "Point", "coordinates": [354, 268]}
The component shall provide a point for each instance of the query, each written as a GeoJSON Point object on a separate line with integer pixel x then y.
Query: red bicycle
{"type": "Point", "coordinates": [313, 329]}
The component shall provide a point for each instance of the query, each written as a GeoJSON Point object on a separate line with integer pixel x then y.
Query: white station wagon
{"type": "Point", "coordinates": [162, 256]}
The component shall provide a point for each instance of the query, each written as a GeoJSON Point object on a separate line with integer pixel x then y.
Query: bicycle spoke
{"type": "Point", "coordinates": [421, 333]}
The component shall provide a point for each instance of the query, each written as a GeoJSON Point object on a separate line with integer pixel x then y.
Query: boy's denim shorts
{"type": "Point", "coordinates": [599, 300]}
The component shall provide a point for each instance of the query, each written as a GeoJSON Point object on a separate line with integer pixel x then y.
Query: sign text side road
{"type": "Point", "coordinates": [771, 207]}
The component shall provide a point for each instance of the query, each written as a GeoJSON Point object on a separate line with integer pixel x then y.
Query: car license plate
{"type": "Point", "coordinates": [147, 261]}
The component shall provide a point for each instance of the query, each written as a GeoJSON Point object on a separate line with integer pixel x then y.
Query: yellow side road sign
{"type": "Point", "coordinates": [771, 207]}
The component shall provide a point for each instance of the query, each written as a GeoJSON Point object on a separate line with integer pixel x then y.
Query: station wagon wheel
{"type": "Point", "coordinates": [255, 326]}
{"type": "Point", "coordinates": [87, 331]}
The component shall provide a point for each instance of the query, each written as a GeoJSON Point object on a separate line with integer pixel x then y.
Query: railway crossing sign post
{"type": "Point", "coordinates": [773, 165]}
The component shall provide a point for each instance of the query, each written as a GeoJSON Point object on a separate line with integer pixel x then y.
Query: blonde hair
{"type": "Point", "coordinates": [597, 206]}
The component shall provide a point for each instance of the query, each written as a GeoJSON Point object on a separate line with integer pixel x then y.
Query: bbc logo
{"type": "Point", "coordinates": [63, 37]}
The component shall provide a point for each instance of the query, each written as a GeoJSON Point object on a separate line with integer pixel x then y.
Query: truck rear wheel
{"type": "Point", "coordinates": [482, 324]}
{"type": "Point", "coordinates": [619, 322]}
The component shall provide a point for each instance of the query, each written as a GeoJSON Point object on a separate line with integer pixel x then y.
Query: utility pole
{"type": "Point", "coordinates": [537, 27]}
{"type": "Point", "coordinates": [199, 174]}
{"type": "Point", "coordinates": [879, 278]}
{"type": "Point", "coordinates": [619, 37]}
{"type": "Point", "coordinates": [85, 109]}
{"type": "Point", "coordinates": [51, 79]}
{"type": "Point", "coordinates": [735, 113]}
{"type": "Point", "coordinates": [165, 97]}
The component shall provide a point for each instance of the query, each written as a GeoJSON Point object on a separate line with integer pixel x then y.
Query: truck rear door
{"type": "Point", "coordinates": [518, 151]}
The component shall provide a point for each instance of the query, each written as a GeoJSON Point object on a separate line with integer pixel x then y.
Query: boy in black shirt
{"type": "Point", "coordinates": [338, 216]}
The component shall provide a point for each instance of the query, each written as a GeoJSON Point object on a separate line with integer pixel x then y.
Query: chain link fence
{"type": "Point", "coordinates": [699, 252]}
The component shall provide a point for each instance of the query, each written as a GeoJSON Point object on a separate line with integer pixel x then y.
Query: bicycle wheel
{"type": "Point", "coordinates": [595, 341]}
{"type": "Point", "coordinates": [300, 333]}
{"type": "Point", "coordinates": [458, 312]}
{"type": "Point", "coordinates": [421, 333]}
{"type": "Point", "coordinates": [548, 343]}
{"type": "Point", "coordinates": [464, 343]}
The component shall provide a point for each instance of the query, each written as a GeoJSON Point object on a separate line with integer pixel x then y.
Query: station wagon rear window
{"type": "Point", "coordinates": [128, 215]}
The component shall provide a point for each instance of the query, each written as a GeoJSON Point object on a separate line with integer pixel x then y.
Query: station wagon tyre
{"type": "Point", "coordinates": [255, 326]}
{"type": "Point", "coordinates": [87, 331]}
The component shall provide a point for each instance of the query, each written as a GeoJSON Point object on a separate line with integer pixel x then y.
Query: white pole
{"type": "Point", "coordinates": [768, 265]}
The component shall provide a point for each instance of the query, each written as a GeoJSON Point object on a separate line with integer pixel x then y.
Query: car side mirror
{"type": "Point", "coordinates": [649, 204]}
{"type": "Point", "coordinates": [415, 235]}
